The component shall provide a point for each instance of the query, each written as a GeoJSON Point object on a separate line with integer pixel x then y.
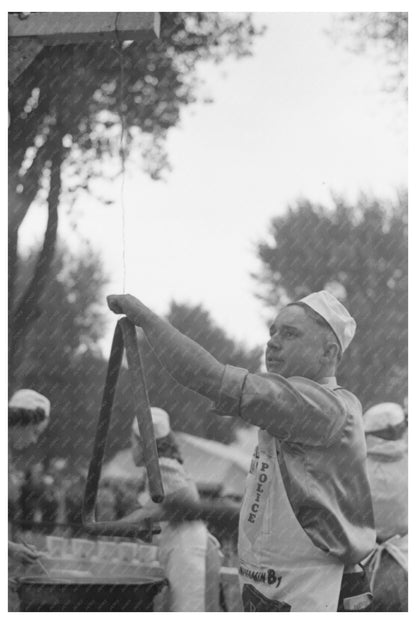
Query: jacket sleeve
{"type": "Point", "coordinates": [296, 410]}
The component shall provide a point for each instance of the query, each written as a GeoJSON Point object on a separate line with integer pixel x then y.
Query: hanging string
{"type": "Point", "coordinates": [122, 150]}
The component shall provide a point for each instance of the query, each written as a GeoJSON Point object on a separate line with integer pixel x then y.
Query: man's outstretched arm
{"type": "Point", "coordinates": [295, 409]}
{"type": "Point", "coordinates": [185, 360]}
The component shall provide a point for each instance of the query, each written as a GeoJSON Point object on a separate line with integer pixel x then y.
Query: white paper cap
{"type": "Point", "coordinates": [383, 415]}
{"type": "Point", "coordinates": [335, 314]}
{"type": "Point", "coordinates": [30, 400]}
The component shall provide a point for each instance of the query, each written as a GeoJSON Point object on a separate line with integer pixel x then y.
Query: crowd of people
{"type": "Point", "coordinates": [48, 495]}
{"type": "Point", "coordinates": [323, 523]}
{"type": "Point", "coordinates": [43, 501]}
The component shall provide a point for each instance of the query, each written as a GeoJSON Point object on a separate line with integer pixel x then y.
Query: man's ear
{"type": "Point", "coordinates": [331, 352]}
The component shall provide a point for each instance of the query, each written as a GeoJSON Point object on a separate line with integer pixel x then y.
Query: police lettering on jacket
{"type": "Point", "coordinates": [261, 480]}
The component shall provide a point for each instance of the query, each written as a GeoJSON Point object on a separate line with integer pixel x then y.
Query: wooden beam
{"type": "Point", "coordinates": [29, 34]}
{"type": "Point", "coordinates": [61, 28]}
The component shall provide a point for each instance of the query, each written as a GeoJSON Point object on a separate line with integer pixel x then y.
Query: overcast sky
{"type": "Point", "coordinates": [302, 117]}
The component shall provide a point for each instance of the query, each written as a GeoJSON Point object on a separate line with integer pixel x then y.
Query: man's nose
{"type": "Point", "coordinates": [274, 342]}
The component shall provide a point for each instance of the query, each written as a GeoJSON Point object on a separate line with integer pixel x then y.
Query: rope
{"type": "Point", "coordinates": [373, 561]}
{"type": "Point", "coordinates": [122, 151]}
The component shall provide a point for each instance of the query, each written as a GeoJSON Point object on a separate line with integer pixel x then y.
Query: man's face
{"type": "Point", "coordinates": [296, 345]}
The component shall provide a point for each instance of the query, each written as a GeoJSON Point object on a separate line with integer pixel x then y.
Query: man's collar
{"type": "Point", "coordinates": [328, 381]}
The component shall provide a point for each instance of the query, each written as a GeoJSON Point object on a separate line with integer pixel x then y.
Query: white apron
{"type": "Point", "coordinates": [190, 557]}
{"type": "Point", "coordinates": [276, 556]}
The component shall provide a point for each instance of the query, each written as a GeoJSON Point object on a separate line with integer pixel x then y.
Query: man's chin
{"type": "Point", "coordinates": [276, 367]}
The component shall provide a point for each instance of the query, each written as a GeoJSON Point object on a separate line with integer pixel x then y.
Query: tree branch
{"type": "Point", "coordinates": [19, 203]}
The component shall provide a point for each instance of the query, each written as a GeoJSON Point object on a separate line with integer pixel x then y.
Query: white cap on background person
{"type": "Point", "coordinates": [382, 416]}
{"type": "Point", "coordinates": [334, 313]}
{"type": "Point", "coordinates": [161, 423]}
{"type": "Point", "coordinates": [30, 400]}
{"type": "Point", "coordinates": [28, 417]}
{"type": "Point", "coordinates": [31, 404]}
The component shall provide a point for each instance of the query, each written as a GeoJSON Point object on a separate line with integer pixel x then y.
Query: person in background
{"type": "Point", "coordinates": [188, 553]}
{"type": "Point", "coordinates": [306, 518]}
{"type": "Point", "coordinates": [126, 497]}
{"type": "Point", "coordinates": [386, 434]}
{"type": "Point", "coordinates": [29, 413]}
{"type": "Point", "coordinates": [31, 494]}
{"type": "Point", "coordinates": [49, 504]}
{"type": "Point", "coordinates": [58, 472]}
{"type": "Point", "coordinates": [106, 505]}
{"type": "Point", "coordinates": [74, 496]}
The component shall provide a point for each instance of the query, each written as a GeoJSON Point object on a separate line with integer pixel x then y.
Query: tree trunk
{"type": "Point", "coordinates": [25, 312]}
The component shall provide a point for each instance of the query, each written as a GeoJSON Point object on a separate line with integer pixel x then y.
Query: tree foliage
{"type": "Point", "coordinates": [197, 323]}
{"type": "Point", "coordinates": [62, 359]}
{"type": "Point", "coordinates": [360, 253]}
{"type": "Point", "coordinates": [383, 34]}
{"type": "Point", "coordinates": [70, 107]}
{"type": "Point", "coordinates": [60, 356]}
{"type": "Point", "coordinates": [73, 321]}
{"type": "Point", "coordinates": [189, 411]}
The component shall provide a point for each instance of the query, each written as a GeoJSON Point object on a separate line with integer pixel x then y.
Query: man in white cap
{"type": "Point", "coordinates": [386, 435]}
{"type": "Point", "coordinates": [307, 511]}
{"type": "Point", "coordinates": [188, 553]}
{"type": "Point", "coordinates": [28, 417]}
